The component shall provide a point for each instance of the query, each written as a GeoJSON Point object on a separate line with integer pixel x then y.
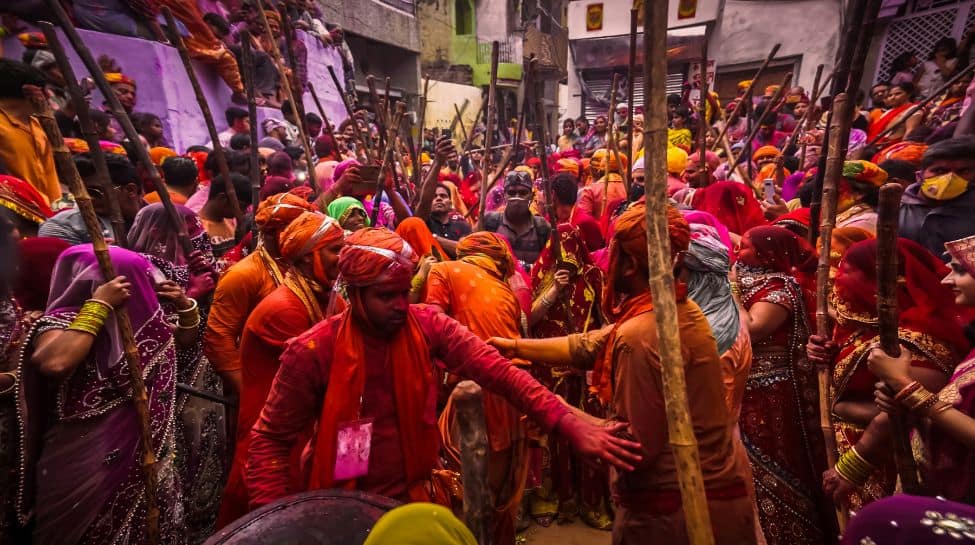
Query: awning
{"type": "Point", "coordinates": [683, 45]}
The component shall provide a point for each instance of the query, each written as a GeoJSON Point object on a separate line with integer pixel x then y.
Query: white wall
{"type": "Point", "coordinates": [616, 17]}
{"type": "Point", "coordinates": [492, 20]}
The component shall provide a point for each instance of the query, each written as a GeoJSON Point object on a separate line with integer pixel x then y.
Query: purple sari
{"type": "Point", "coordinates": [950, 471]}
{"type": "Point", "coordinates": [82, 479]}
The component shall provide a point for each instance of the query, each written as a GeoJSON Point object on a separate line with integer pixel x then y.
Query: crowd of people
{"type": "Point", "coordinates": [341, 304]}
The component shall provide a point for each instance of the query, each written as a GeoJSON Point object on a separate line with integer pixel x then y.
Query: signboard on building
{"type": "Point", "coordinates": [594, 17]}
{"type": "Point", "coordinates": [694, 76]}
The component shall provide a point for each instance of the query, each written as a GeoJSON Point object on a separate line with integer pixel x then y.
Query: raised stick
{"type": "Point", "coordinates": [680, 429]}
{"type": "Point", "coordinates": [391, 131]}
{"type": "Point", "coordinates": [748, 92]}
{"type": "Point", "coordinates": [423, 110]}
{"type": "Point", "coordinates": [887, 322]}
{"type": "Point", "coordinates": [746, 150]}
{"type": "Point", "coordinates": [321, 111]}
{"type": "Point", "coordinates": [489, 135]}
{"type": "Point", "coordinates": [703, 116]}
{"type": "Point", "coordinates": [247, 69]}
{"type": "Point", "coordinates": [478, 506]}
{"type": "Point", "coordinates": [83, 112]}
{"type": "Point", "coordinates": [363, 144]}
{"type": "Point", "coordinates": [69, 176]}
{"type": "Point", "coordinates": [123, 118]}
{"type": "Point", "coordinates": [463, 129]}
{"type": "Point", "coordinates": [176, 40]}
{"type": "Point", "coordinates": [611, 146]}
{"type": "Point", "coordinates": [630, 89]}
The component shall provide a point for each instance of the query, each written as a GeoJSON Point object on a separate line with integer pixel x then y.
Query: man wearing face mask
{"type": "Point", "coordinates": [940, 206]}
{"type": "Point", "coordinates": [526, 232]}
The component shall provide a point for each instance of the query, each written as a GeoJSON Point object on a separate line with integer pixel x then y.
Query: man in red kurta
{"type": "Point", "coordinates": [310, 246]}
{"type": "Point", "coordinates": [367, 375]}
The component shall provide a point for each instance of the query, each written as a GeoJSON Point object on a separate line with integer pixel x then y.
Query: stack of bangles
{"type": "Point", "coordinates": [735, 290]}
{"type": "Point", "coordinates": [91, 317]}
{"type": "Point", "coordinates": [189, 318]}
{"type": "Point", "coordinates": [854, 468]}
{"type": "Point", "coordinates": [918, 399]}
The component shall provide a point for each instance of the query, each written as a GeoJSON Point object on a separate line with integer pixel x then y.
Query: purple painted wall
{"type": "Point", "coordinates": [165, 90]}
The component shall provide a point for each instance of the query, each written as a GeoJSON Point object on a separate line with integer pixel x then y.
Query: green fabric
{"type": "Point", "coordinates": [341, 207]}
{"type": "Point", "coordinates": [420, 524]}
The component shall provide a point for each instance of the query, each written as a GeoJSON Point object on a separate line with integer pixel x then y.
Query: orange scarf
{"type": "Point", "coordinates": [602, 381]}
{"type": "Point", "coordinates": [408, 357]}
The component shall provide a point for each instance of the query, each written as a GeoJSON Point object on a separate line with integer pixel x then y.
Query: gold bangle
{"type": "Point", "coordinates": [915, 398]}
{"type": "Point", "coordinates": [188, 318]}
{"type": "Point", "coordinates": [854, 468]}
{"type": "Point", "coordinates": [926, 404]}
{"type": "Point", "coordinates": [194, 307]}
{"type": "Point", "coordinates": [907, 390]}
{"type": "Point", "coordinates": [190, 326]}
{"type": "Point", "coordinates": [90, 319]}
{"type": "Point", "coordinates": [12, 387]}
{"type": "Point", "coordinates": [102, 302]}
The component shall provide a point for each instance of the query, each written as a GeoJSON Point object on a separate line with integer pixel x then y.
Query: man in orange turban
{"type": "Point", "coordinates": [310, 246]}
{"type": "Point", "coordinates": [367, 376]}
{"type": "Point", "coordinates": [858, 193]}
{"type": "Point", "coordinates": [246, 283]}
{"type": "Point", "coordinates": [608, 190]}
{"type": "Point", "coordinates": [627, 375]}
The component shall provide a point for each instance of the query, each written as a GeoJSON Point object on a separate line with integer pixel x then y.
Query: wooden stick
{"type": "Point", "coordinates": [458, 112]}
{"type": "Point", "coordinates": [830, 193]}
{"type": "Point", "coordinates": [748, 92]}
{"type": "Point", "coordinates": [406, 130]}
{"type": "Point", "coordinates": [887, 322]}
{"type": "Point", "coordinates": [680, 429]}
{"type": "Point", "coordinates": [866, 31]}
{"type": "Point", "coordinates": [478, 507]}
{"type": "Point", "coordinates": [554, 239]}
{"type": "Point", "coordinates": [630, 90]}
{"type": "Point", "coordinates": [613, 153]}
{"type": "Point", "coordinates": [363, 144]}
{"type": "Point", "coordinates": [801, 122]}
{"type": "Point", "coordinates": [377, 105]}
{"type": "Point", "coordinates": [247, 70]}
{"type": "Point", "coordinates": [184, 55]}
{"type": "Point", "coordinates": [88, 130]}
{"type": "Point", "coordinates": [287, 29]}
{"type": "Point", "coordinates": [123, 118]}
{"type": "Point", "coordinates": [321, 112]}
{"type": "Point", "coordinates": [276, 54]}
{"type": "Point", "coordinates": [68, 175]}
{"type": "Point", "coordinates": [423, 110]}
{"type": "Point", "coordinates": [703, 115]}
{"type": "Point", "coordinates": [489, 135]}
{"type": "Point", "coordinates": [463, 129]}
{"type": "Point", "coordinates": [392, 129]}
{"type": "Point", "coordinates": [746, 150]}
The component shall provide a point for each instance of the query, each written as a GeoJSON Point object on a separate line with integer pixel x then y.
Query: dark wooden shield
{"type": "Point", "coordinates": [319, 517]}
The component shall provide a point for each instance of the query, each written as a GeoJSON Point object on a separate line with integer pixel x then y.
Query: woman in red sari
{"type": "Point", "coordinates": [900, 99]}
{"type": "Point", "coordinates": [779, 413]}
{"type": "Point", "coordinates": [928, 328]}
{"type": "Point", "coordinates": [734, 204]}
{"type": "Point", "coordinates": [566, 293]}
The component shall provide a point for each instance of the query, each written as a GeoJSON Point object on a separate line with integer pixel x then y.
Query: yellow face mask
{"type": "Point", "coordinates": [944, 187]}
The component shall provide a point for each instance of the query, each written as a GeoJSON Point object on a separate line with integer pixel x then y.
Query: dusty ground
{"type": "Point", "coordinates": [576, 533]}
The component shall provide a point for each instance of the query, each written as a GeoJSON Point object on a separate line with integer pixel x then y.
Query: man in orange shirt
{"type": "Point", "coordinates": [244, 285]}
{"type": "Point", "coordinates": [26, 152]}
{"type": "Point", "coordinates": [180, 177]}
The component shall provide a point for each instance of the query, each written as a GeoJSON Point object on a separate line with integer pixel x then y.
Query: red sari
{"type": "Point", "coordinates": [734, 205]}
{"type": "Point", "coordinates": [929, 322]}
{"type": "Point", "coordinates": [779, 413]}
{"type": "Point", "coordinates": [880, 125]}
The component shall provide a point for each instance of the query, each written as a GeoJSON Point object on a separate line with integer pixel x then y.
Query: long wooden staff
{"type": "Point", "coordinates": [247, 70]}
{"type": "Point", "coordinates": [489, 135]}
{"type": "Point", "coordinates": [463, 129]}
{"type": "Point", "coordinates": [88, 131]}
{"type": "Point", "coordinates": [612, 153]}
{"type": "Point", "coordinates": [423, 111]}
{"type": "Point", "coordinates": [176, 40]}
{"type": "Point", "coordinates": [276, 55]}
{"type": "Point", "coordinates": [68, 174]}
{"type": "Point", "coordinates": [748, 92]}
{"type": "Point", "coordinates": [703, 115]}
{"type": "Point", "coordinates": [478, 506]}
{"type": "Point", "coordinates": [321, 112]}
{"type": "Point", "coordinates": [726, 146]}
{"type": "Point", "coordinates": [362, 145]}
{"type": "Point", "coordinates": [680, 429]}
{"type": "Point", "coordinates": [887, 321]}
{"type": "Point", "coordinates": [833, 173]}
{"type": "Point", "coordinates": [630, 90]}
{"type": "Point", "coordinates": [801, 122]}
{"type": "Point", "coordinates": [920, 105]}
{"type": "Point", "coordinates": [123, 118]}
{"type": "Point", "coordinates": [387, 163]}
{"type": "Point", "coordinates": [458, 112]}
{"type": "Point", "coordinates": [770, 107]}
{"type": "Point", "coordinates": [287, 29]}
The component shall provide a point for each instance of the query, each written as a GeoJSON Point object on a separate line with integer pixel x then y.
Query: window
{"type": "Point", "coordinates": [463, 17]}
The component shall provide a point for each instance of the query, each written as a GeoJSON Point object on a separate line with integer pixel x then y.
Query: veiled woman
{"type": "Point", "coordinates": [82, 481]}
{"type": "Point", "coordinates": [779, 417]}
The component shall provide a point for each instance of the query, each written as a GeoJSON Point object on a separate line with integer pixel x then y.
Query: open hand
{"type": "Point", "coordinates": [600, 443]}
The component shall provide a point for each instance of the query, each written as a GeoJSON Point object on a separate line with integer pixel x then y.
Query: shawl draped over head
{"type": "Point", "coordinates": [841, 240]}
{"type": "Point", "coordinates": [308, 233]}
{"type": "Point", "coordinates": [22, 199]}
{"type": "Point", "coordinates": [798, 221]}
{"type": "Point", "coordinates": [489, 251]}
{"type": "Point", "coordinates": [734, 205]}
{"type": "Point", "coordinates": [277, 211]}
{"type": "Point", "coordinates": [708, 286]}
{"type": "Point", "coordinates": [35, 265]}
{"type": "Point", "coordinates": [704, 218]}
{"type": "Point", "coordinates": [415, 231]}
{"type": "Point", "coordinates": [372, 256]}
{"type": "Point", "coordinates": [420, 524]}
{"type": "Point", "coordinates": [779, 250]}
{"type": "Point", "coordinates": [631, 238]}
{"type": "Point", "coordinates": [341, 207]}
{"type": "Point", "coordinates": [153, 232]}
{"type": "Point", "coordinates": [274, 185]}
{"type": "Point", "coordinates": [587, 284]}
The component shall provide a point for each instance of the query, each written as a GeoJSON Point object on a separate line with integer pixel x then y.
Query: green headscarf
{"type": "Point", "coordinates": [341, 207]}
{"type": "Point", "coordinates": [420, 524]}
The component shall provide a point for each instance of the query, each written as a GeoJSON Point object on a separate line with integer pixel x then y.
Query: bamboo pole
{"type": "Point", "coordinates": [177, 41]}
{"type": "Point", "coordinates": [630, 93]}
{"type": "Point", "coordinates": [748, 92]}
{"type": "Point", "coordinates": [123, 118]}
{"type": "Point", "coordinates": [423, 110]}
{"type": "Point", "coordinates": [276, 54]}
{"type": "Point", "coordinates": [463, 129]}
{"type": "Point", "coordinates": [478, 506]}
{"type": "Point", "coordinates": [321, 112]}
{"type": "Point", "coordinates": [887, 322]}
{"type": "Point", "coordinates": [613, 153]}
{"type": "Point", "coordinates": [703, 115]}
{"type": "Point", "coordinates": [363, 144]}
{"type": "Point", "coordinates": [387, 163]}
{"type": "Point", "coordinates": [746, 150]}
{"type": "Point", "coordinates": [89, 132]}
{"type": "Point", "coordinates": [489, 135]}
{"type": "Point", "coordinates": [287, 29]}
{"type": "Point", "coordinates": [247, 70]}
{"type": "Point", "coordinates": [680, 429]}
{"type": "Point", "coordinates": [458, 112]}
{"type": "Point", "coordinates": [801, 122]}
{"type": "Point", "coordinates": [830, 193]}
{"type": "Point", "coordinates": [69, 176]}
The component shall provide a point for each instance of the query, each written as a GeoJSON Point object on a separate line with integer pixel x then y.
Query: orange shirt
{"type": "Point", "coordinates": [177, 198]}
{"type": "Point", "coordinates": [28, 155]}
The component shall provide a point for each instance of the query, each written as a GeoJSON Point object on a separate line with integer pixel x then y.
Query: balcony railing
{"type": "Point", "coordinates": [509, 51]}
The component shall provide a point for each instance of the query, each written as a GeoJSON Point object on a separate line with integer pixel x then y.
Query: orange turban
{"type": "Point", "coordinates": [744, 84]}
{"type": "Point", "coordinates": [864, 171]}
{"type": "Point", "coordinates": [567, 165]}
{"type": "Point", "coordinates": [375, 255]}
{"type": "Point", "coordinates": [491, 245]}
{"type": "Point", "coordinates": [77, 145]}
{"type": "Point", "coordinates": [308, 233]}
{"type": "Point", "coordinates": [118, 77]}
{"type": "Point", "coordinates": [277, 211]}
{"type": "Point", "coordinates": [607, 162]}
{"type": "Point", "coordinates": [159, 154]}
{"type": "Point", "coordinates": [765, 152]}
{"type": "Point", "coordinates": [771, 90]}
{"type": "Point", "coordinates": [903, 151]}
{"type": "Point", "coordinates": [415, 232]}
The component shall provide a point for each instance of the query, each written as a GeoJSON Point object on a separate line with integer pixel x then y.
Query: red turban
{"type": "Point", "coordinates": [375, 255]}
{"type": "Point", "coordinates": [308, 233]}
{"type": "Point", "coordinates": [276, 212]}
{"type": "Point", "coordinates": [23, 199]}
{"type": "Point", "coordinates": [491, 245]}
